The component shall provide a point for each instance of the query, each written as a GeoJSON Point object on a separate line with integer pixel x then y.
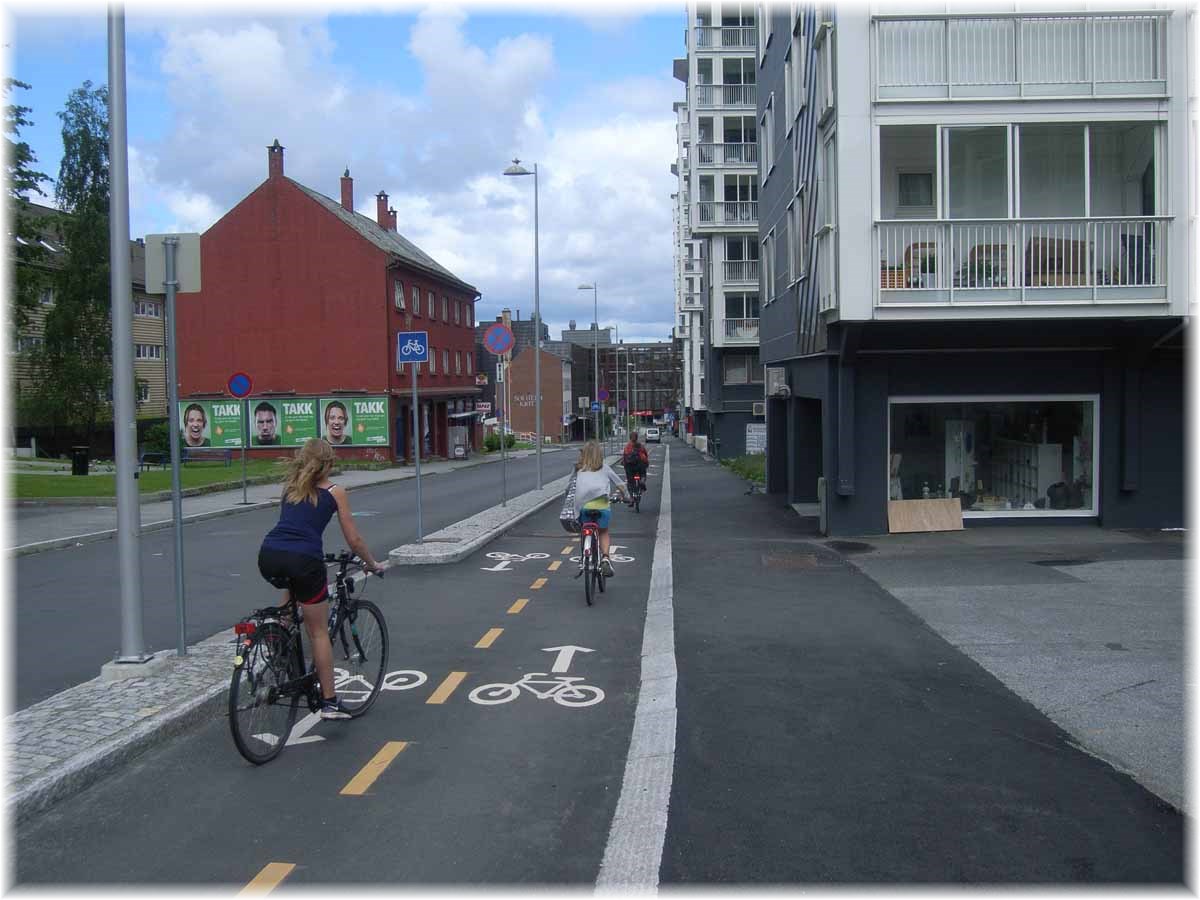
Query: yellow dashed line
{"type": "Point", "coordinates": [267, 880]}
{"type": "Point", "coordinates": [446, 688]}
{"type": "Point", "coordinates": [518, 606]}
{"type": "Point", "coordinates": [490, 638]}
{"type": "Point", "coordinates": [366, 777]}
{"type": "Point", "coordinates": [553, 567]}
{"type": "Point", "coordinates": [538, 585]}
{"type": "Point", "coordinates": [566, 551]}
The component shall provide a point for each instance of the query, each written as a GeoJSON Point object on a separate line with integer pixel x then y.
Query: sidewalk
{"type": "Point", "coordinates": [66, 742]}
{"type": "Point", "coordinates": [837, 728]}
{"type": "Point", "coordinates": [38, 527]}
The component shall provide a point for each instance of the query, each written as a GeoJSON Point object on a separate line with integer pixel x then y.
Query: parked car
{"type": "Point", "coordinates": [653, 434]}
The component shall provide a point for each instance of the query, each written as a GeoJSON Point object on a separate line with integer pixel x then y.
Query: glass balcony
{"type": "Point", "coordinates": [1022, 261]}
{"type": "Point", "coordinates": [1020, 56]}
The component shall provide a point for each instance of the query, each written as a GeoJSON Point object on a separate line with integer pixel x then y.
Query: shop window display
{"type": "Point", "coordinates": [1033, 456]}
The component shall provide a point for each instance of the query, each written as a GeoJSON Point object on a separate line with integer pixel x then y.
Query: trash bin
{"type": "Point", "coordinates": [79, 460]}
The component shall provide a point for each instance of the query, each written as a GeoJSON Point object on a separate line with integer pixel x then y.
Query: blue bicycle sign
{"type": "Point", "coordinates": [412, 347]}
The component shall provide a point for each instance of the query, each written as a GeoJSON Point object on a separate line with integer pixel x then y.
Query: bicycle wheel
{"type": "Point", "coordinates": [260, 714]}
{"type": "Point", "coordinates": [579, 695]}
{"type": "Point", "coordinates": [360, 647]}
{"type": "Point", "coordinates": [491, 694]}
{"type": "Point", "coordinates": [589, 568]}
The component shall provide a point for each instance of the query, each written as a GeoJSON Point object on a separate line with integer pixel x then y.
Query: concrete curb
{"type": "Point", "coordinates": [87, 768]}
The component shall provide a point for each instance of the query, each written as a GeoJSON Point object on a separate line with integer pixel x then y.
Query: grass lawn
{"type": "Point", "coordinates": [753, 467]}
{"type": "Point", "coordinates": [26, 486]}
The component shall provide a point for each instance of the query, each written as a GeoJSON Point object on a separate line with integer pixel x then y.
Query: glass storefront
{"type": "Point", "coordinates": [1022, 456]}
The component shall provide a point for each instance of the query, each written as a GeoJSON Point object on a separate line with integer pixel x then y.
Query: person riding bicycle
{"type": "Point", "coordinates": [591, 495]}
{"type": "Point", "coordinates": [636, 460]}
{"type": "Point", "coordinates": [292, 556]}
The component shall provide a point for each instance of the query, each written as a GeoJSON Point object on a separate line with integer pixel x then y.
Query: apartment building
{"type": "Point", "coordinates": [716, 224]}
{"type": "Point", "coordinates": [976, 260]}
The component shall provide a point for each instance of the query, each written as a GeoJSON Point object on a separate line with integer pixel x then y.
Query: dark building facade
{"type": "Point", "coordinates": [1029, 367]}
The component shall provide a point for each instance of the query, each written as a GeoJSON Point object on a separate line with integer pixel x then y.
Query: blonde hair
{"type": "Point", "coordinates": [590, 457]}
{"type": "Point", "coordinates": [311, 464]}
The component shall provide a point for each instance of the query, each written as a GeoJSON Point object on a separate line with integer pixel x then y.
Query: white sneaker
{"type": "Point", "coordinates": [606, 567]}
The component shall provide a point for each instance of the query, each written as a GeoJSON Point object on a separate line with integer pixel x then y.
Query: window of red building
{"type": "Point", "coordinates": [432, 306]}
{"type": "Point", "coordinates": [399, 294]}
{"type": "Point", "coordinates": [416, 300]}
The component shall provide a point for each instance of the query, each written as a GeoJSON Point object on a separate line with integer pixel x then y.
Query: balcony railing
{"type": "Point", "coordinates": [691, 301]}
{"type": "Point", "coordinates": [1023, 261]}
{"type": "Point", "coordinates": [726, 37]}
{"type": "Point", "coordinates": [741, 270]}
{"type": "Point", "coordinates": [712, 212]}
{"type": "Point", "coordinates": [711, 96]}
{"type": "Point", "coordinates": [741, 331]}
{"type": "Point", "coordinates": [727, 154]}
{"type": "Point", "coordinates": [965, 56]}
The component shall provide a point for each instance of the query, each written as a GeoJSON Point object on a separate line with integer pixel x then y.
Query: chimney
{"type": "Point", "coordinates": [275, 160]}
{"type": "Point", "coordinates": [381, 207]}
{"type": "Point", "coordinates": [347, 191]}
{"type": "Point", "coordinates": [392, 219]}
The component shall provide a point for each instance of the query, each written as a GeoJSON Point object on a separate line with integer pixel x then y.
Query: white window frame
{"type": "Point", "coordinates": [143, 392]}
{"type": "Point", "coordinates": [788, 99]}
{"type": "Point", "coordinates": [823, 40]}
{"type": "Point", "coordinates": [470, 363]}
{"type": "Point", "coordinates": [457, 312]}
{"type": "Point", "coordinates": [399, 294]}
{"type": "Point", "coordinates": [457, 362]}
{"type": "Point", "coordinates": [767, 136]}
{"type": "Point", "coordinates": [803, 238]}
{"type": "Point", "coordinates": [147, 351]}
{"type": "Point", "coordinates": [432, 361]}
{"type": "Point", "coordinates": [793, 240]}
{"type": "Point", "coordinates": [767, 292]}
{"type": "Point", "coordinates": [445, 308]}
{"type": "Point", "coordinates": [446, 361]}
{"type": "Point", "coordinates": [799, 68]}
{"type": "Point", "coordinates": [1094, 399]}
{"type": "Point", "coordinates": [432, 303]}
{"type": "Point", "coordinates": [148, 309]}
{"type": "Point", "coordinates": [416, 300]}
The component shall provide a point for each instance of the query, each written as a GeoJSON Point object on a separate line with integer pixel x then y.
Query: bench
{"type": "Point", "coordinates": [146, 460]}
{"type": "Point", "coordinates": [196, 454]}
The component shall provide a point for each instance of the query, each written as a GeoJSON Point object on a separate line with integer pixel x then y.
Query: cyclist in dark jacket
{"type": "Point", "coordinates": [636, 460]}
{"type": "Point", "coordinates": [293, 558]}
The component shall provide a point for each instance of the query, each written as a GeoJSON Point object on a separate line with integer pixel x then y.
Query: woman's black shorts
{"type": "Point", "coordinates": [303, 575]}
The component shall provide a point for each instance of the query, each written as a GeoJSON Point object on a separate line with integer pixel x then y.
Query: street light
{"type": "Point", "coordinates": [595, 349]}
{"type": "Point", "coordinates": [517, 169]}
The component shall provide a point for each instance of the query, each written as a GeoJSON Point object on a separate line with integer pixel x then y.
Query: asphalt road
{"type": "Point", "coordinates": [67, 612]}
{"type": "Point", "coordinates": [515, 793]}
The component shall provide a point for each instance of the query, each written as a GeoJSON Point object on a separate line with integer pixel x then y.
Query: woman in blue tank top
{"type": "Point", "coordinates": [292, 556]}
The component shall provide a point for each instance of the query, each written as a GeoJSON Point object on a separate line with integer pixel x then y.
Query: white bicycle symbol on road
{"type": "Point", "coordinates": [411, 346]}
{"type": "Point", "coordinates": [506, 559]}
{"type": "Point", "coordinates": [562, 689]}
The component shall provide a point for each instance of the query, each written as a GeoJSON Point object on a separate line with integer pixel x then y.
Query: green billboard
{"type": "Point", "coordinates": [297, 420]}
{"type": "Point", "coordinates": [355, 421]}
{"type": "Point", "coordinates": [210, 423]}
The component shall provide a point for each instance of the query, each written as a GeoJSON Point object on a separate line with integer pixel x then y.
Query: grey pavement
{"type": "Point", "coordinates": [66, 742]}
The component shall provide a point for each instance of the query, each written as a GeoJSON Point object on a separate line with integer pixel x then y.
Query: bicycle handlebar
{"type": "Point", "coordinates": [346, 559]}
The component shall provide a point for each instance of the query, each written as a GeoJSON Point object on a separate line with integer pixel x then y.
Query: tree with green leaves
{"type": "Point", "coordinates": [74, 363]}
{"type": "Point", "coordinates": [23, 180]}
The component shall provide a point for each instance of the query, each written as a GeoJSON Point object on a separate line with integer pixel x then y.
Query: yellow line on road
{"type": "Point", "coordinates": [267, 880]}
{"type": "Point", "coordinates": [518, 606]}
{"type": "Point", "coordinates": [538, 585]}
{"type": "Point", "coordinates": [490, 638]}
{"type": "Point", "coordinates": [566, 551]}
{"type": "Point", "coordinates": [366, 777]}
{"type": "Point", "coordinates": [446, 688]}
{"type": "Point", "coordinates": [553, 567]}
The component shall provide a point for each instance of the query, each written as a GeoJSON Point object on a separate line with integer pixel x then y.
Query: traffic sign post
{"type": "Point", "coordinates": [413, 347]}
{"type": "Point", "coordinates": [499, 341]}
{"type": "Point", "coordinates": [240, 385]}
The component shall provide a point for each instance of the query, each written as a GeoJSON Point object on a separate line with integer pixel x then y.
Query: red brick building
{"type": "Point", "coordinates": [307, 296]}
{"type": "Point", "coordinates": [556, 393]}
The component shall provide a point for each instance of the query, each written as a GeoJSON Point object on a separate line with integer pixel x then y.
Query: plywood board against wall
{"type": "Point", "coordinates": [906, 516]}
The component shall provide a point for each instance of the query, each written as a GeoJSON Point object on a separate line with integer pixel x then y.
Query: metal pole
{"type": "Point", "coordinates": [245, 441]}
{"type": "Point", "coordinates": [133, 648]}
{"type": "Point", "coordinates": [171, 245]}
{"type": "Point", "coordinates": [416, 439]}
{"type": "Point", "coordinates": [596, 352]}
{"type": "Point", "coordinates": [537, 334]}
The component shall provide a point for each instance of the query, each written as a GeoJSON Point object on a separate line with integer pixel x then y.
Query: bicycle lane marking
{"type": "Point", "coordinates": [633, 853]}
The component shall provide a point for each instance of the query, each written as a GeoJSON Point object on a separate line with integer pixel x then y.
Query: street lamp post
{"type": "Point", "coordinates": [595, 349]}
{"type": "Point", "coordinates": [517, 169]}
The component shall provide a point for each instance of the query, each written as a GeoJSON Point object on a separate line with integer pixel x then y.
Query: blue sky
{"type": "Point", "coordinates": [426, 104]}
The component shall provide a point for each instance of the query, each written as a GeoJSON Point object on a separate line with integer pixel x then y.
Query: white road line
{"type": "Point", "coordinates": [633, 854]}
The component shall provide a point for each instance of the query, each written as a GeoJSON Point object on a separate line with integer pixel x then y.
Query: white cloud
{"type": "Point", "coordinates": [233, 85]}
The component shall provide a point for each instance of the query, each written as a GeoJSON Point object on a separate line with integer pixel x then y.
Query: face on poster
{"type": "Point", "coordinates": [210, 423]}
{"type": "Point", "coordinates": [354, 421]}
{"type": "Point", "coordinates": [336, 424]}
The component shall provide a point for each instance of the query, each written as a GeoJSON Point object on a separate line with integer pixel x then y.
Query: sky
{"type": "Point", "coordinates": [428, 103]}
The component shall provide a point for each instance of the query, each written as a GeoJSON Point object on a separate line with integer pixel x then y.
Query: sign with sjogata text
{"type": "Point", "coordinates": [210, 423]}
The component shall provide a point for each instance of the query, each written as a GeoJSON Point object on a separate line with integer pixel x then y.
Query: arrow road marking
{"type": "Point", "coordinates": [562, 662]}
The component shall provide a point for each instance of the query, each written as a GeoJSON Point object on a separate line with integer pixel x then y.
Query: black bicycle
{"type": "Point", "coordinates": [271, 677]}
